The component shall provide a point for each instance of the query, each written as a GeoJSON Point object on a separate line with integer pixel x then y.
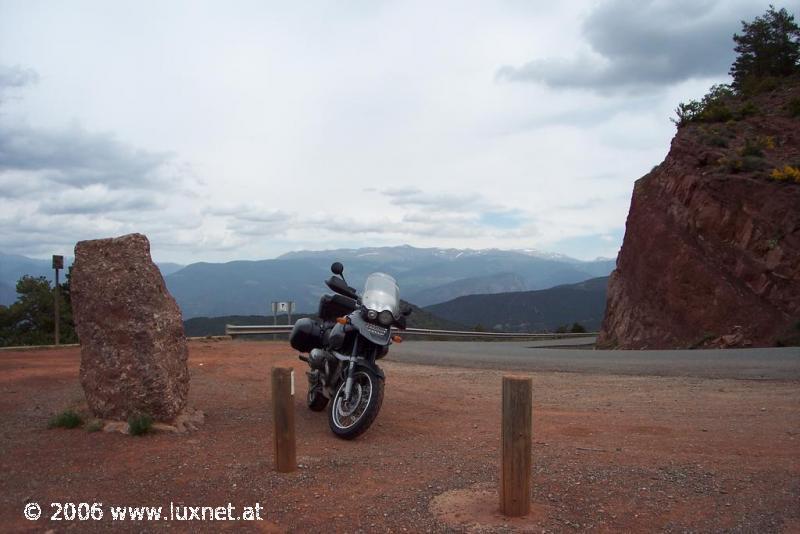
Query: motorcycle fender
{"type": "Point", "coordinates": [372, 366]}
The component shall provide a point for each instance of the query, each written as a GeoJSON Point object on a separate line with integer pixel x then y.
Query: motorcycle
{"type": "Point", "coordinates": [343, 345]}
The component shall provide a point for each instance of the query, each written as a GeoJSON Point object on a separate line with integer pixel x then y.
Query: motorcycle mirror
{"type": "Point", "coordinates": [337, 268]}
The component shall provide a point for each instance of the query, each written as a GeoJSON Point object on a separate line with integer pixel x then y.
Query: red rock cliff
{"type": "Point", "coordinates": [711, 255]}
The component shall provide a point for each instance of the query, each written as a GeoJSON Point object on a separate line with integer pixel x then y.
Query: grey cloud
{"type": "Point", "coordinates": [59, 186]}
{"type": "Point", "coordinates": [16, 76]}
{"type": "Point", "coordinates": [79, 158]}
{"type": "Point", "coordinates": [445, 201]}
{"type": "Point", "coordinates": [247, 212]}
{"type": "Point", "coordinates": [431, 217]}
{"type": "Point", "coordinates": [334, 224]}
{"type": "Point", "coordinates": [252, 220]}
{"type": "Point", "coordinates": [34, 234]}
{"type": "Point", "coordinates": [268, 217]}
{"type": "Point", "coordinates": [74, 156]}
{"type": "Point", "coordinates": [99, 201]}
{"type": "Point", "coordinates": [641, 44]}
{"type": "Point", "coordinates": [256, 229]}
{"type": "Point", "coordinates": [450, 215]}
{"type": "Point", "coordinates": [20, 185]}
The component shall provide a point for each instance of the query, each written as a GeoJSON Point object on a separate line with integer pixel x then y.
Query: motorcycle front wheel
{"type": "Point", "coordinates": [349, 419]}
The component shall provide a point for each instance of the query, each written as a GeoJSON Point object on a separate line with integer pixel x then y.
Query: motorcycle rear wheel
{"type": "Point", "coordinates": [350, 419]}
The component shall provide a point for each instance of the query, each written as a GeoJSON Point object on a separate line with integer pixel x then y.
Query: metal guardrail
{"type": "Point", "coordinates": [248, 330]}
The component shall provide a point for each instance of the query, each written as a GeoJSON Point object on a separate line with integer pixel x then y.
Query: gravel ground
{"type": "Point", "coordinates": [610, 452]}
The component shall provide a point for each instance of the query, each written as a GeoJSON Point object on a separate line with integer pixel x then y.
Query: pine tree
{"type": "Point", "coordinates": [768, 47]}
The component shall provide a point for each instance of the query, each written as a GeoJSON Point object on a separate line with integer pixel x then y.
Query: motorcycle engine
{"type": "Point", "coordinates": [317, 357]}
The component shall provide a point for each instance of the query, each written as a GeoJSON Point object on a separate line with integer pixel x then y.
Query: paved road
{"type": "Point", "coordinates": [760, 364]}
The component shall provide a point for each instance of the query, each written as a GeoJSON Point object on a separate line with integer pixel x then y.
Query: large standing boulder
{"type": "Point", "coordinates": [133, 348]}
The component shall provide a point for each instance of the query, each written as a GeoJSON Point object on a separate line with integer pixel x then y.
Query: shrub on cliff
{"type": "Point", "coordinates": [768, 48]}
{"type": "Point", "coordinates": [768, 51]}
{"type": "Point", "coordinates": [712, 108]}
{"type": "Point", "coordinates": [788, 173]}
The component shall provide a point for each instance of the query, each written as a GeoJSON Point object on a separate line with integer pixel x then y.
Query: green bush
{"type": "Point", "coordinates": [716, 140]}
{"type": "Point", "coordinates": [66, 419]}
{"type": "Point", "coordinates": [743, 164]}
{"type": "Point", "coordinates": [751, 149]}
{"type": "Point", "coordinates": [768, 53]}
{"type": "Point", "coordinates": [747, 110]}
{"type": "Point", "coordinates": [712, 108]}
{"type": "Point", "coordinates": [139, 424]}
{"type": "Point", "coordinates": [753, 85]}
{"type": "Point", "coordinates": [716, 111]}
{"type": "Point", "coordinates": [30, 320]}
{"type": "Point", "coordinates": [753, 164]}
{"type": "Point", "coordinates": [768, 48]}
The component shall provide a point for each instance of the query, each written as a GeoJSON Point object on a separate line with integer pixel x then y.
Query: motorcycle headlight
{"type": "Point", "coordinates": [386, 318]}
{"type": "Point", "coordinates": [372, 315]}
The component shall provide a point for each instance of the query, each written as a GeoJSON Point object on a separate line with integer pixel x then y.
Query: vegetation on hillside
{"type": "Point", "coordinates": [576, 328]}
{"type": "Point", "coordinates": [769, 47]}
{"type": "Point", "coordinates": [31, 319]}
{"type": "Point", "coordinates": [768, 54]}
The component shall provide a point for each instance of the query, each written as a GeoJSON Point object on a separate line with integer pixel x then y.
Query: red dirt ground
{"type": "Point", "coordinates": [610, 452]}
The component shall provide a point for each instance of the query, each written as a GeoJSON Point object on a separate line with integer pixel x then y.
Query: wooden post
{"type": "Point", "coordinates": [515, 488]}
{"type": "Point", "coordinates": [283, 419]}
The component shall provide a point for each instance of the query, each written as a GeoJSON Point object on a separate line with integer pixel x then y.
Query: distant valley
{"type": "Point", "coordinates": [425, 276]}
{"type": "Point", "coordinates": [530, 311]}
{"type": "Point", "coordinates": [460, 288]}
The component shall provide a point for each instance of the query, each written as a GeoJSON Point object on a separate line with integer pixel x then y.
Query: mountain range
{"type": "Point", "coordinates": [530, 311]}
{"type": "Point", "coordinates": [426, 276]}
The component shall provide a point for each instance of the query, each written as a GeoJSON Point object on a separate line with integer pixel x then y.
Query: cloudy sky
{"type": "Point", "coordinates": [245, 129]}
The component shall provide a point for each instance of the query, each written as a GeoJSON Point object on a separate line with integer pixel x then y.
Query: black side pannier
{"type": "Point", "coordinates": [306, 335]}
{"type": "Point", "coordinates": [333, 306]}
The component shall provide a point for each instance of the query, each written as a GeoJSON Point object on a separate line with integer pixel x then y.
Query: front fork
{"type": "Point", "coordinates": [348, 384]}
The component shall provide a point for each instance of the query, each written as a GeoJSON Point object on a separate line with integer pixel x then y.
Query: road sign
{"type": "Point", "coordinates": [283, 307]}
{"type": "Point", "coordinates": [286, 307]}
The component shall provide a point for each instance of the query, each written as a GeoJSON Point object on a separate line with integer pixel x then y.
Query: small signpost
{"type": "Point", "coordinates": [58, 264]}
{"type": "Point", "coordinates": [286, 307]}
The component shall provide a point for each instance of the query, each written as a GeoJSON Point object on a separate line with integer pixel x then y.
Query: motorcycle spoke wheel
{"type": "Point", "coordinates": [351, 418]}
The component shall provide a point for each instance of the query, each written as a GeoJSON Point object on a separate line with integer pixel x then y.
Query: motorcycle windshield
{"type": "Point", "coordinates": [381, 293]}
